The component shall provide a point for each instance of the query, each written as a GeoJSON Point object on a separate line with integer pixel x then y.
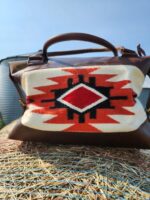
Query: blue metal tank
{"type": "Point", "coordinates": [10, 108]}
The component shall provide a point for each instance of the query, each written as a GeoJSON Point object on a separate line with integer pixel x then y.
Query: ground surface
{"type": "Point", "coordinates": [42, 171]}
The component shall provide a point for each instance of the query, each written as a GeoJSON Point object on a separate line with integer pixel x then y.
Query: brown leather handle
{"type": "Point", "coordinates": [78, 36]}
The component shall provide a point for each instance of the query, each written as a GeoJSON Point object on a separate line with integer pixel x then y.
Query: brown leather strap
{"type": "Point", "coordinates": [124, 52]}
{"type": "Point", "coordinates": [80, 37]}
{"type": "Point", "coordinates": [77, 51]}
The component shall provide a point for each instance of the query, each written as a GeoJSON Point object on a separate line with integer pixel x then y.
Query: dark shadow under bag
{"type": "Point", "coordinates": [91, 100]}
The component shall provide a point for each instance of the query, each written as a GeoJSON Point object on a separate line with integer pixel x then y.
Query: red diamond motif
{"type": "Point", "coordinates": [82, 97]}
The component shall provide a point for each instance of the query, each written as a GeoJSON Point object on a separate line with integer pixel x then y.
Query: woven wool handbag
{"type": "Point", "coordinates": [90, 100]}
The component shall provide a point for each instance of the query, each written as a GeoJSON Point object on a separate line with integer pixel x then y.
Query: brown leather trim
{"type": "Point", "coordinates": [38, 58]}
{"type": "Point", "coordinates": [18, 68]}
{"type": "Point", "coordinates": [139, 138]}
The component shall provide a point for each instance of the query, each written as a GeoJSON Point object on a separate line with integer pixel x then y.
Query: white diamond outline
{"type": "Point", "coordinates": [103, 98]}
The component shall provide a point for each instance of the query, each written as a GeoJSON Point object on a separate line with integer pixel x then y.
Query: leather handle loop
{"type": "Point", "coordinates": [77, 36]}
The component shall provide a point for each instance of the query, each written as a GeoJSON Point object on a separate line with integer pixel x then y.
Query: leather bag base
{"type": "Point", "coordinates": [139, 138]}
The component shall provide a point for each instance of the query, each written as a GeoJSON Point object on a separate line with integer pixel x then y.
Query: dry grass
{"type": "Point", "coordinates": [42, 171]}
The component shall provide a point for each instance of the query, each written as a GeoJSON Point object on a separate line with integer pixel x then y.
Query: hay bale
{"type": "Point", "coordinates": [43, 171]}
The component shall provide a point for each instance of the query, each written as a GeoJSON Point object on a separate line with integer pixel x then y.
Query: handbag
{"type": "Point", "coordinates": [83, 100]}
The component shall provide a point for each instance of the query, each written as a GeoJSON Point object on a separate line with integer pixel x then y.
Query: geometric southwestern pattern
{"type": "Point", "coordinates": [84, 99]}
